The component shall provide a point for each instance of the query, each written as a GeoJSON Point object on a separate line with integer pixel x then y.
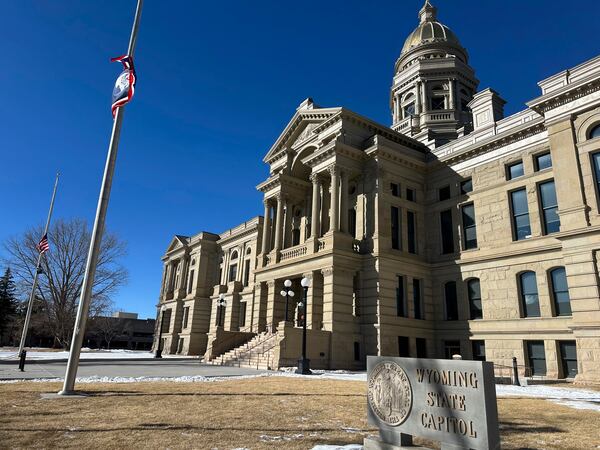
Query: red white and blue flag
{"type": "Point", "coordinates": [125, 85]}
{"type": "Point", "coordinates": [43, 245]}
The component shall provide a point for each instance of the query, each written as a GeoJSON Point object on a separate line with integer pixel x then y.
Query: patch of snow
{"type": "Point", "coordinates": [573, 398]}
{"type": "Point", "coordinates": [338, 447]}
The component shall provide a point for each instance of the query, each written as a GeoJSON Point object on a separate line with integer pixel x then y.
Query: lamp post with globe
{"type": "Point", "coordinates": [221, 303]}
{"type": "Point", "coordinates": [287, 293]}
{"type": "Point", "coordinates": [303, 362]}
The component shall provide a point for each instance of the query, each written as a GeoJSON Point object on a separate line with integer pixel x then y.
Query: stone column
{"type": "Point", "coordinates": [266, 228]}
{"type": "Point", "coordinates": [279, 222]}
{"type": "Point", "coordinates": [316, 193]}
{"type": "Point", "coordinates": [335, 198]}
{"type": "Point", "coordinates": [418, 105]}
{"type": "Point", "coordinates": [572, 207]}
{"type": "Point", "coordinates": [287, 224]}
{"type": "Point", "coordinates": [344, 203]}
{"type": "Point", "coordinates": [424, 96]}
{"type": "Point", "coordinates": [451, 88]}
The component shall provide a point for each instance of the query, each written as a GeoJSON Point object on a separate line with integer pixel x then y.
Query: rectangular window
{"type": "Point", "coordinates": [444, 193]}
{"type": "Point", "coordinates": [355, 295]}
{"type": "Point", "coordinates": [568, 357]}
{"type": "Point", "coordinates": [242, 317]}
{"type": "Point", "coordinates": [469, 227]}
{"type": "Point", "coordinates": [536, 357]}
{"type": "Point", "coordinates": [403, 347]}
{"type": "Point", "coordinates": [478, 350]}
{"type": "Point", "coordinates": [401, 298]}
{"type": "Point", "coordinates": [447, 232]}
{"type": "Point", "coordinates": [411, 228]}
{"type": "Point", "coordinates": [520, 215]}
{"type": "Point", "coordinates": [438, 103]}
{"type": "Point", "coordinates": [357, 351]}
{"type": "Point", "coordinates": [514, 170]}
{"type": "Point", "coordinates": [246, 272]}
{"type": "Point", "coordinates": [191, 282]}
{"type": "Point", "coordinates": [395, 188]}
{"type": "Point", "coordinates": [396, 229]}
{"type": "Point", "coordinates": [232, 272]}
{"type": "Point", "coordinates": [451, 348]}
{"type": "Point", "coordinates": [165, 324]}
{"type": "Point", "coordinates": [417, 299]}
{"type": "Point", "coordinates": [421, 348]}
{"type": "Point", "coordinates": [451, 300]}
{"type": "Point", "coordinates": [186, 313]}
{"type": "Point", "coordinates": [549, 205]}
{"type": "Point", "coordinates": [411, 195]}
{"type": "Point", "coordinates": [596, 166]}
{"type": "Point", "coordinates": [466, 186]}
{"type": "Point", "coordinates": [351, 222]}
{"type": "Point", "coordinates": [543, 161]}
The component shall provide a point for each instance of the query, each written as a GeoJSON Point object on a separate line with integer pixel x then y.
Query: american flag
{"type": "Point", "coordinates": [43, 245]}
{"type": "Point", "coordinates": [125, 84]}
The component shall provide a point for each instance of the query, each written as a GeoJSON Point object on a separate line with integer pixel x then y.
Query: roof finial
{"type": "Point", "coordinates": [428, 12]}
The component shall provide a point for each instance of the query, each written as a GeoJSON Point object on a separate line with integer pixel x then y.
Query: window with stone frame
{"type": "Point", "coordinates": [411, 231]}
{"type": "Point", "coordinates": [447, 232]}
{"type": "Point", "coordinates": [549, 206]}
{"type": "Point", "coordinates": [396, 228]}
{"type": "Point", "coordinates": [478, 350]}
{"type": "Point", "coordinates": [466, 186]}
{"type": "Point", "coordinates": [474, 295]}
{"type": "Point", "coordinates": [594, 132]}
{"type": "Point", "coordinates": [438, 103]}
{"type": "Point", "coordinates": [469, 227]}
{"type": "Point", "coordinates": [186, 313]}
{"type": "Point", "coordinates": [515, 170]}
{"type": "Point", "coordinates": [418, 299]}
{"type": "Point", "coordinates": [190, 282]}
{"type": "Point", "coordinates": [560, 292]}
{"type": "Point", "coordinates": [528, 294]}
{"type": "Point", "coordinates": [450, 301]}
{"type": "Point", "coordinates": [232, 273]}
{"type": "Point", "coordinates": [520, 214]}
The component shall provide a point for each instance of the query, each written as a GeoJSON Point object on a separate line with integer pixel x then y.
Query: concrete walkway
{"type": "Point", "coordinates": [133, 368]}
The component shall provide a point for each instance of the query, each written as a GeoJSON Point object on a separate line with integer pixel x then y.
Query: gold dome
{"type": "Point", "coordinates": [429, 30]}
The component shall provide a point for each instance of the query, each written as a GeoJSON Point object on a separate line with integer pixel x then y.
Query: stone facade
{"type": "Point", "coordinates": [455, 230]}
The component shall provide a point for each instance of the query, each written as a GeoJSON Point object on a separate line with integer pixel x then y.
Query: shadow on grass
{"type": "Point", "coordinates": [169, 427]}
{"type": "Point", "coordinates": [216, 394]}
{"type": "Point", "coordinates": [519, 428]}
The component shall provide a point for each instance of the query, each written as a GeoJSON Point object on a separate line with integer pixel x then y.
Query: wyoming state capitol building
{"type": "Point", "coordinates": [455, 230]}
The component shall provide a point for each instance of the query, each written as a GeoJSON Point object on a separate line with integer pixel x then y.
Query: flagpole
{"type": "Point", "coordinates": [37, 272]}
{"type": "Point", "coordinates": [92, 260]}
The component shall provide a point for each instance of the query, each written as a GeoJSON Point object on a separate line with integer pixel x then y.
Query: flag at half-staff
{"type": "Point", "coordinates": [125, 85]}
{"type": "Point", "coordinates": [43, 246]}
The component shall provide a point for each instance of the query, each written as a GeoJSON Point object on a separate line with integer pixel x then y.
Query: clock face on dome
{"type": "Point", "coordinates": [121, 86]}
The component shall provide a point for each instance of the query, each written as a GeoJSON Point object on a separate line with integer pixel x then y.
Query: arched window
{"type": "Point", "coordinates": [408, 106]}
{"type": "Point", "coordinates": [560, 292]}
{"type": "Point", "coordinates": [474, 293]}
{"type": "Point", "coordinates": [451, 300]}
{"type": "Point", "coordinates": [234, 255]}
{"type": "Point", "coordinates": [530, 302]}
{"type": "Point", "coordinates": [248, 250]}
{"type": "Point", "coordinates": [595, 133]}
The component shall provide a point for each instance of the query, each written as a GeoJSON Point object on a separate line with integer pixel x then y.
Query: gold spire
{"type": "Point", "coordinates": [428, 12]}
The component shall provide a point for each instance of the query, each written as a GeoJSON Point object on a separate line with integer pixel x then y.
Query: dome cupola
{"type": "Point", "coordinates": [433, 83]}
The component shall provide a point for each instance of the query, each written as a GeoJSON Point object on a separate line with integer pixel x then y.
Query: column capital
{"type": "Point", "coordinates": [334, 170]}
{"type": "Point", "coordinates": [267, 202]}
{"type": "Point", "coordinates": [315, 178]}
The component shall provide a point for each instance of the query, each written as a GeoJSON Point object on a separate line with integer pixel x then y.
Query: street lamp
{"type": "Point", "coordinates": [158, 353]}
{"type": "Point", "coordinates": [287, 293]}
{"type": "Point", "coordinates": [303, 363]}
{"type": "Point", "coordinates": [221, 303]}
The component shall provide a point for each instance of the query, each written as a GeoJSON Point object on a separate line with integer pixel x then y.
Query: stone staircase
{"type": "Point", "coordinates": [257, 353]}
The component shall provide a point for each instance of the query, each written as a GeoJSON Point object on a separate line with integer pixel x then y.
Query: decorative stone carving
{"type": "Point", "coordinates": [390, 393]}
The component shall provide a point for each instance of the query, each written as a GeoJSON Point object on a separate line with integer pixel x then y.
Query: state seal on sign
{"type": "Point", "coordinates": [390, 393]}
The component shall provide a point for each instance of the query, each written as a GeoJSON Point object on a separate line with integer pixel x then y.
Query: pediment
{"type": "Point", "coordinates": [177, 242]}
{"type": "Point", "coordinates": [299, 129]}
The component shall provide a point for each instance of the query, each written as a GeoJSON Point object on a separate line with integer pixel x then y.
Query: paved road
{"type": "Point", "coordinates": [155, 368]}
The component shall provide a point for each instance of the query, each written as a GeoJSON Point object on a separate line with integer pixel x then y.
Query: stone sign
{"type": "Point", "coordinates": [450, 401]}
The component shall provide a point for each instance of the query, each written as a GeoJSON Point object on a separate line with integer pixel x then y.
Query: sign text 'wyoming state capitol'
{"type": "Point", "coordinates": [455, 230]}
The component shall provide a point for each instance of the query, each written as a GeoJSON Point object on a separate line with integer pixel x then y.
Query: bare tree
{"type": "Point", "coordinates": [107, 328]}
{"type": "Point", "coordinates": [59, 286]}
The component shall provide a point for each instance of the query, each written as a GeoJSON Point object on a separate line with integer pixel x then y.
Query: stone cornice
{"type": "Point", "coordinates": [494, 142]}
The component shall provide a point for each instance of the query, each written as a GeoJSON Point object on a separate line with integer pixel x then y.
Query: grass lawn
{"type": "Point", "coordinates": [259, 413]}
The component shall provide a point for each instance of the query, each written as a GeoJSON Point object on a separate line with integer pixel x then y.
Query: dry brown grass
{"type": "Point", "coordinates": [260, 413]}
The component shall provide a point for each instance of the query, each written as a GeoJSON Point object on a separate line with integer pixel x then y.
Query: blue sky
{"type": "Point", "coordinates": [217, 82]}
